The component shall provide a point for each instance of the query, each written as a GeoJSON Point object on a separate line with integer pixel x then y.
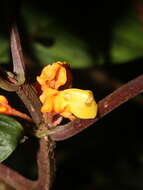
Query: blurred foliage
{"type": "Point", "coordinates": [4, 50]}
{"type": "Point", "coordinates": [53, 42]}
{"type": "Point", "coordinates": [127, 39]}
{"type": "Point", "coordinates": [51, 37]}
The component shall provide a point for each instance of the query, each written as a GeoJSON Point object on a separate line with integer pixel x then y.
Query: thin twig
{"type": "Point", "coordinates": [17, 55]}
{"type": "Point", "coordinates": [105, 106]}
{"type": "Point", "coordinates": [105, 81]}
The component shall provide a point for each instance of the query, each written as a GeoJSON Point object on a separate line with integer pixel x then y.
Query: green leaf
{"type": "Point", "coordinates": [10, 135]}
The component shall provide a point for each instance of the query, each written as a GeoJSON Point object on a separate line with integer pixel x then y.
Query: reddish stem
{"type": "Point", "coordinates": [14, 179]}
{"type": "Point", "coordinates": [45, 162]}
{"type": "Point", "coordinates": [17, 55]}
{"type": "Point", "coordinates": [105, 106]}
{"type": "Point", "coordinates": [28, 95]}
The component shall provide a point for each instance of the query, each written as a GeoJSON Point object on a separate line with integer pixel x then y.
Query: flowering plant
{"type": "Point", "coordinates": [51, 98]}
{"type": "Point", "coordinates": [59, 98]}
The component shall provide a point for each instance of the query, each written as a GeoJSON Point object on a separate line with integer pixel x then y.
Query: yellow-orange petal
{"type": "Point", "coordinates": [48, 92]}
{"type": "Point", "coordinates": [79, 102]}
{"type": "Point", "coordinates": [4, 107]}
{"type": "Point", "coordinates": [61, 78]}
{"type": "Point", "coordinates": [48, 105]}
{"type": "Point", "coordinates": [47, 99]}
{"type": "Point", "coordinates": [3, 99]}
{"type": "Point", "coordinates": [55, 76]}
{"type": "Point", "coordinates": [70, 103]}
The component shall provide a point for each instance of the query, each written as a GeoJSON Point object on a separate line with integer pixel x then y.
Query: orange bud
{"type": "Point", "coordinates": [5, 108]}
{"type": "Point", "coordinates": [3, 104]}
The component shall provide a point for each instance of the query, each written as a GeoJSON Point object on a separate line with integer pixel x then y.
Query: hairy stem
{"type": "Point", "coordinates": [46, 164]}
{"type": "Point", "coordinates": [28, 95]}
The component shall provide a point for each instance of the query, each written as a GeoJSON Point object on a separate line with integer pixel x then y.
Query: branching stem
{"type": "Point", "coordinates": [105, 106]}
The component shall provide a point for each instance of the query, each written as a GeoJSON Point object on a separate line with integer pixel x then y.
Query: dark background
{"type": "Point", "coordinates": [109, 154]}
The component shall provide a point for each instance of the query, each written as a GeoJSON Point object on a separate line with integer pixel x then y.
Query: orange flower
{"type": "Point", "coordinates": [69, 103]}
{"type": "Point", "coordinates": [56, 99]}
{"type": "Point", "coordinates": [72, 103]}
{"type": "Point", "coordinates": [55, 76]}
{"type": "Point", "coordinates": [47, 98]}
{"type": "Point", "coordinates": [5, 108]}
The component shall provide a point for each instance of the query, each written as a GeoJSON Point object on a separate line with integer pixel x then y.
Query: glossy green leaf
{"type": "Point", "coordinates": [10, 135]}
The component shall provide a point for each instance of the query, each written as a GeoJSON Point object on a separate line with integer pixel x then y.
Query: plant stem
{"type": "Point", "coordinates": [28, 95]}
{"type": "Point", "coordinates": [105, 106]}
{"type": "Point", "coordinates": [46, 168]}
{"type": "Point", "coordinates": [17, 55]}
{"type": "Point", "coordinates": [46, 164]}
{"type": "Point", "coordinates": [14, 179]}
